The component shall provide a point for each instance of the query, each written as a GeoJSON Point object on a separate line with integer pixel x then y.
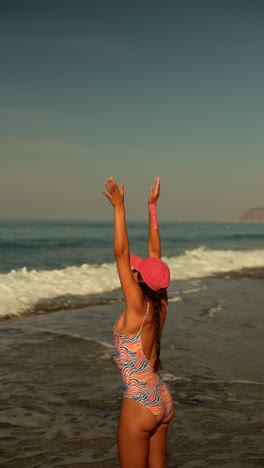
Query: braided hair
{"type": "Point", "coordinates": [156, 298]}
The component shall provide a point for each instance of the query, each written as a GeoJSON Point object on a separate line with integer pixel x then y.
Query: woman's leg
{"type": "Point", "coordinates": [158, 447]}
{"type": "Point", "coordinates": [158, 444]}
{"type": "Point", "coordinates": [136, 424]}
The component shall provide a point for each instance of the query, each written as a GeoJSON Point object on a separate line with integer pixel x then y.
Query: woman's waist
{"type": "Point", "coordinates": [130, 370]}
{"type": "Point", "coordinates": [130, 361]}
{"type": "Point", "coordinates": [134, 355]}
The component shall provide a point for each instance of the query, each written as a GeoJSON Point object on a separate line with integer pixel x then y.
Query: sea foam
{"type": "Point", "coordinates": [202, 262]}
{"type": "Point", "coordinates": [21, 290]}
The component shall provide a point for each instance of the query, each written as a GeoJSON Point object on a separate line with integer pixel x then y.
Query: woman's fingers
{"type": "Point", "coordinates": [109, 185]}
{"type": "Point", "coordinates": [154, 192]}
{"type": "Point", "coordinates": [114, 194]}
{"type": "Point", "coordinates": [106, 194]}
{"type": "Point", "coordinates": [157, 191]}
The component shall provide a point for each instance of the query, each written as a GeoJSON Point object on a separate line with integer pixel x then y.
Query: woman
{"type": "Point", "coordinates": [147, 406]}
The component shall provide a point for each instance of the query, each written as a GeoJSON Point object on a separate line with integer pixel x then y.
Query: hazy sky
{"type": "Point", "coordinates": [131, 89]}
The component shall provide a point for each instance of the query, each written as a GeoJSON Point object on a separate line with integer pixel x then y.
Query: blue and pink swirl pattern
{"type": "Point", "coordinates": [140, 382]}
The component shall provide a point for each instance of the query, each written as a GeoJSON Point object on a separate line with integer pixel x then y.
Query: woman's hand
{"type": "Point", "coordinates": [154, 193]}
{"type": "Point", "coordinates": [115, 195]}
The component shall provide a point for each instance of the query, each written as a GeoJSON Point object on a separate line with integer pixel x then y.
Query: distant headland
{"type": "Point", "coordinates": [253, 215]}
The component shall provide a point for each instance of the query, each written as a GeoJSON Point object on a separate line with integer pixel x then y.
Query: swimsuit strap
{"type": "Point", "coordinates": [145, 316]}
{"type": "Point", "coordinates": [165, 303]}
{"type": "Point", "coordinates": [147, 311]}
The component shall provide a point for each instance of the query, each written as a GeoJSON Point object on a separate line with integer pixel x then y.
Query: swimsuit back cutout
{"type": "Point", "coordinates": [140, 382]}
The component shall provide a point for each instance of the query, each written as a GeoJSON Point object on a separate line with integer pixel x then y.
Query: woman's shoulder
{"type": "Point", "coordinates": [131, 319]}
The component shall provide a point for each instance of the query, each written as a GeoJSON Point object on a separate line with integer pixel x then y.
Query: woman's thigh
{"type": "Point", "coordinates": [158, 447]}
{"type": "Point", "coordinates": [158, 444]}
{"type": "Point", "coordinates": [136, 424]}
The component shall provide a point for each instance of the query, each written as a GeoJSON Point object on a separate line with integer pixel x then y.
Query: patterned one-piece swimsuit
{"type": "Point", "coordinates": [140, 382]}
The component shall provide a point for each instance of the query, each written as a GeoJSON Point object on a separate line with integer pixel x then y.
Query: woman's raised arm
{"type": "Point", "coordinates": [154, 246]}
{"type": "Point", "coordinates": [131, 290]}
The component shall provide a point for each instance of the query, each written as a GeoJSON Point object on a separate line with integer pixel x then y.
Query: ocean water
{"type": "Point", "coordinates": [54, 265]}
{"type": "Point", "coordinates": [59, 297]}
